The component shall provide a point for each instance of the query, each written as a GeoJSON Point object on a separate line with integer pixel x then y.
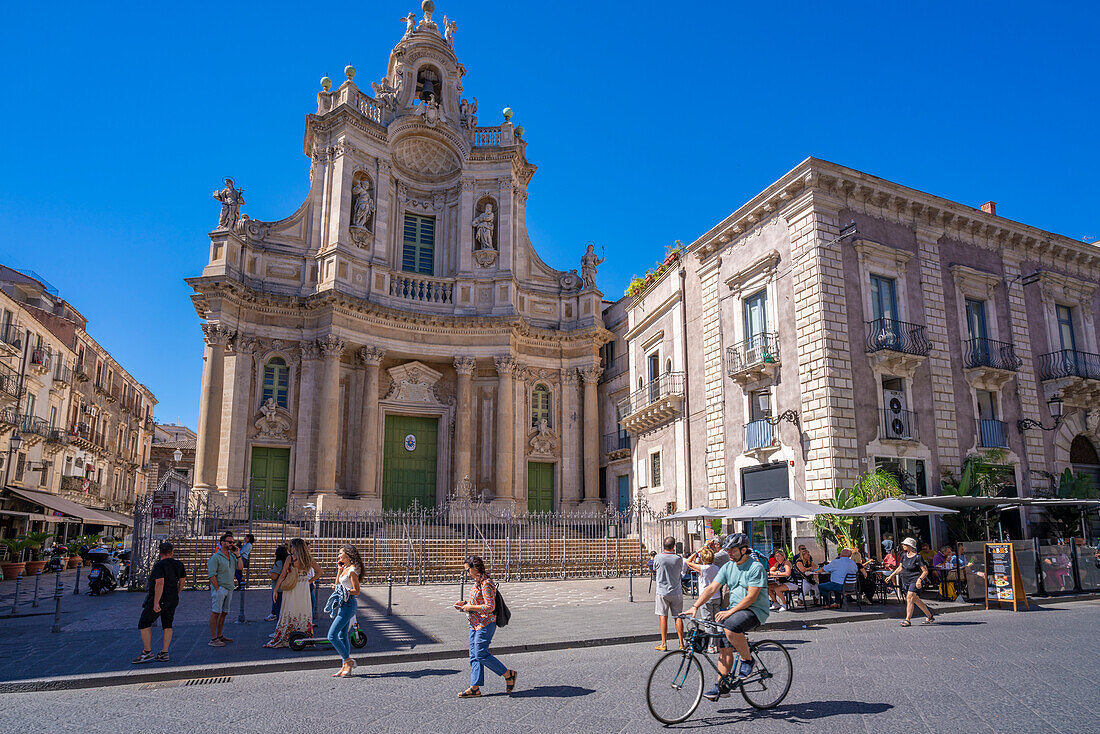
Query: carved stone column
{"type": "Point", "coordinates": [306, 413]}
{"type": "Point", "coordinates": [236, 410]}
{"type": "Point", "coordinates": [572, 477]}
{"type": "Point", "coordinates": [332, 347]}
{"type": "Point", "coordinates": [368, 441]}
{"type": "Point", "coordinates": [210, 406]}
{"type": "Point", "coordinates": [505, 426]}
{"type": "Point", "coordinates": [591, 375]}
{"type": "Point", "coordinates": [463, 417]}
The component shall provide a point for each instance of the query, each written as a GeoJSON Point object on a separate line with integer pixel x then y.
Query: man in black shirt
{"type": "Point", "coordinates": [165, 584]}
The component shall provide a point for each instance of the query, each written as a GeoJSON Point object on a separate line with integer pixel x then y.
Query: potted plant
{"type": "Point", "coordinates": [74, 553]}
{"type": "Point", "coordinates": [14, 565]}
{"type": "Point", "coordinates": [88, 541]}
{"type": "Point", "coordinates": [35, 541]}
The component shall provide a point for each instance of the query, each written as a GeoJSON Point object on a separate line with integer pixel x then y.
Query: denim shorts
{"type": "Point", "coordinates": [220, 598]}
{"type": "Point", "coordinates": [741, 621]}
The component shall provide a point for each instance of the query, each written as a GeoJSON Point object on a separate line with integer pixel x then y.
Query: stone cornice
{"type": "Point", "coordinates": [970, 280]}
{"type": "Point", "coordinates": [763, 265]}
{"type": "Point", "coordinates": [869, 251]}
{"type": "Point", "coordinates": [652, 314]}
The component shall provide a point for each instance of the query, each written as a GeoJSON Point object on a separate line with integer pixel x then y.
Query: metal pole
{"type": "Point", "coordinates": [630, 587]}
{"type": "Point", "coordinates": [34, 599]}
{"type": "Point", "coordinates": [76, 586]}
{"type": "Point", "coordinates": [389, 595]}
{"type": "Point", "coordinates": [15, 603]}
{"type": "Point", "coordinates": [56, 613]}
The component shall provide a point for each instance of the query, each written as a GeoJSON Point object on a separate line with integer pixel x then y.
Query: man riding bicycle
{"type": "Point", "coordinates": [748, 582]}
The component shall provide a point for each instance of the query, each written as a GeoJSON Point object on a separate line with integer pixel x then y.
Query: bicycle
{"type": "Point", "coordinates": [675, 685]}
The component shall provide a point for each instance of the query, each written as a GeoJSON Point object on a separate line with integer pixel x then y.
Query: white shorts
{"type": "Point", "coordinates": [220, 598]}
{"type": "Point", "coordinates": [669, 606]}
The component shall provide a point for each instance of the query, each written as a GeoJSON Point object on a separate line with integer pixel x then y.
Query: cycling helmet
{"type": "Point", "coordinates": [737, 540]}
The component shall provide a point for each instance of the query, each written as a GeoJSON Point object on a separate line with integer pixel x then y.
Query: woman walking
{"type": "Point", "coordinates": [296, 614]}
{"type": "Point", "coordinates": [913, 570]}
{"type": "Point", "coordinates": [480, 607]}
{"type": "Point", "coordinates": [343, 603]}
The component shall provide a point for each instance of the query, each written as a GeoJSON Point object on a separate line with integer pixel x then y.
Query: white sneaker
{"type": "Point", "coordinates": [782, 608]}
{"type": "Point", "coordinates": [774, 607]}
{"type": "Point", "coordinates": [270, 618]}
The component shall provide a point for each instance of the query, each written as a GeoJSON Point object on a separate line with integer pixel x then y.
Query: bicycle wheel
{"type": "Point", "coordinates": [768, 685]}
{"type": "Point", "coordinates": [675, 688]}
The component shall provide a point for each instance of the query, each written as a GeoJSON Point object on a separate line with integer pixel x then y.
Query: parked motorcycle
{"type": "Point", "coordinates": [104, 573]}
{"type": "Point", "coordinates": [123, 557]}
{"type": "Point", "coordinates": [59, 556]}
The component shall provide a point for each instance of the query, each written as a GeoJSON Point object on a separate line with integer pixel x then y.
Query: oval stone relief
{"type": "Point", "coordinates": [425, 156]}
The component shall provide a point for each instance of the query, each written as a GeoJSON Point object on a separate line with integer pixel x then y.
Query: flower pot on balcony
{"type": "Point", "coordinates": [33, 567]}
{"type": "Point", "coordinates": [11, 570]}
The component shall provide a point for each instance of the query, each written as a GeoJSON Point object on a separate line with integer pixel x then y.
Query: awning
{"type": "Point", "coordinates": [32, 516]}
{"type": "Point", "coordinates": [65, 507]}
{"type": "Point", "coordinates": [957, 501]}
{"type": "Point", "coordinates": [123, 520]}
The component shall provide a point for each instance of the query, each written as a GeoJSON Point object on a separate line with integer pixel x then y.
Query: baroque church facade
{"type": "Point", "coordinates": [397, 339]}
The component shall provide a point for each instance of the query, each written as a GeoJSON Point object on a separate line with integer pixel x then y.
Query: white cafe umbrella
{"type": "Point", "coordinates": [894, 506]}
{"type": "Point", "coordinates": [779, 508]}
{"type": "Point", "coordinates": [697, 513]}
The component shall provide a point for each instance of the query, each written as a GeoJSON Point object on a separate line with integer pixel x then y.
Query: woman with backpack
{"type": "Point", "coordinates": [481, 608]}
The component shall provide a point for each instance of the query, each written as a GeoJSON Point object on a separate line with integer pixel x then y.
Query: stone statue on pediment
{"type": "Point", "coordinates": [385, 93]}
{"type": "Point", "coordinates": [449, 28]}
{"type": "Point", "coordinates": [589, 262]}
{"type": "Point", "coordinates": [410, 25]}
{"type": "Point", "coordinates": [231, 199]}
{"type": "Point", "coordinates": [483, 228]}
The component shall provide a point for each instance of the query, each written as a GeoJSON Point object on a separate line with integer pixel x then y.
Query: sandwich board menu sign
{"type": "Point", "coordinates": [1003, 583]}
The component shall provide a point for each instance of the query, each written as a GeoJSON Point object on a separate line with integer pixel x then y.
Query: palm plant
{"type": "Point", "coordinates": [35, 541]}
{"type": "Point", "coordinates": [15, 547]}
{"type": "Point", "coordinates": [847, 531]}
{"type": "Point", "coordinates": [981, 477]}
{"type": "Point", "coordinates": [1065, 520]}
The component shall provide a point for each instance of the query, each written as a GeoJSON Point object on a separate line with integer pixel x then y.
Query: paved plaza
{"type": "Point", "coordinates": [978, 671]}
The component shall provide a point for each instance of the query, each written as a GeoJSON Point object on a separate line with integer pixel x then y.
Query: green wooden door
{"type": "Point", "coordinates": [540, 486]}
{"type": "Point", "coordinates": [409, 461]}
{"type": "Point", "coordinates": [270, 477]}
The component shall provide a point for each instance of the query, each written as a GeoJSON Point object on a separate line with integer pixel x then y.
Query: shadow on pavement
{"type": "Point", "coordinates": [794, 713]}
{"type": "Point", "coordinates": [409, 673]}
{"type": "Point", "coordinates": [550, 692]}
{"type": "Point", "coordinates": [940, 623]}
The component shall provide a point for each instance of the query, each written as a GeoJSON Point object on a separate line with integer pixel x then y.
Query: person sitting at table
{"type": "Point", "coordinates": [927, 553]}
{"type": "Point", "coordinates": [804, 567]}
{"type": "Point", "coordinates": [866, 579]}
{"type": "Point", "coordinates": [779, 576]}
{"type": "Point", "coordinates": [838, 569]}
{"type": "Point", "coordinates": [943, 557]}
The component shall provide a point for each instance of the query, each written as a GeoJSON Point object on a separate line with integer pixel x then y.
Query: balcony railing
{"type": "Point", "coordinates": [62, 374]}
{"type": "Point", "coordinates": [757, 350]}
{"type": "Point", "coordinates": [899, 425]}
{"type": "Point", "coordinates": [81, 371]}
{"type": "Point", "coordinates": [670, 383]}
{"type": "Point", "coordinates": [12, 335]}
{"type": "Point", "coordinates": [616, 442]}
{"type": "Point", "coordinates": [759, 435]}
{"type": "Point", "coordinates": [990, 353]}
{"type": "Point", "coordinates": [992, 434]}
{"type": "Point", "coordinates": [40, 357]}
{"type": "Point", "coordinates": [76, 485]}
{"type": "Point", "coordinates": [9, 382]}
{"type": "Point", "coordinates": [1069, 363]}
{"type": "Point", "coordinates": [487, 136]}
{"type": "Point", "coordinates": [897, 336]}
{"type": "Point", "coordinates": [615, 367]}
{"type": "Point", "coordinates": [421, 288]}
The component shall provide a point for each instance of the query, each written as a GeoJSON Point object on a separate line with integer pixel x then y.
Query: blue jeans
{"type": "Point", "coordinates": [480, 657]}
{"type": "Point", "coordinates": [339, 632]}
{"type": "Point", "coordinates": [277, 605]}
{"type": "Point", "coordinates": [312, 601]}
{"type": "Point", "coordinates": [828, 589]}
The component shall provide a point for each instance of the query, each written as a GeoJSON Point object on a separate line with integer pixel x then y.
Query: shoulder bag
{"type": "Point", "coordinates": [290, 580]}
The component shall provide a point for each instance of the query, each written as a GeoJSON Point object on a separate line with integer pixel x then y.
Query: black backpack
{"type": "Point", "coordinates": [504, 615]}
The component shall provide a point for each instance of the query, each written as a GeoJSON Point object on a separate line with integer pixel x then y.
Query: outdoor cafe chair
{"type": "Point", "coordinates": [851, 586]}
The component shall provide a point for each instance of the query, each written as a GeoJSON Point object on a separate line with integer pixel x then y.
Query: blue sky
{"type": "Point", "coordinates": [649, 123]}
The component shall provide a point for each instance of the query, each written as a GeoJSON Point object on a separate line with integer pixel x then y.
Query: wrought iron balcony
{"type": "Point", "coordinates": [11, 335]}
{"type": "Point", "coordinates": [656, 403]}
{"type": "Point", "coordinates": [1069, 363]}
{"type": "Point", "coordinates": [9, 383]}
{"type": "Point", "coordinates": [58, 436]}
{"type": "Point", "coordinates": [992, 434]}
{"type": "Point", "coordinates": [754, 358]}
{"type": "Point", "coordinates": [82, 372]}
{"type": "Point", "coordinates": [978, 353]}
{"type": "Point", "coordinates": [898, 425]}
{"type": "Point", "coordinates": [615, 367]}
{"type": "Point", "coordinates": [62, 374]}
{"type": "Point", "coordinates": [616, 445]}
{"type": "Point", "coordinates": [897, 336]}
{"type": "Point", "coordinates": [760, 435]}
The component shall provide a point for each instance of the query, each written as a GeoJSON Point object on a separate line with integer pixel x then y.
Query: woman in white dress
{"type": "Point", "coordinates": [296, 614]}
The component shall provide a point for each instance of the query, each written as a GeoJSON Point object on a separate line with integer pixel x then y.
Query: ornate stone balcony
{"type": "Point", "coordinates": [989, 364]}
{"type": "Point", "coordinates": [896, 346]}
{"type": "Point", "coordinates": [421, 288]}
{"type": "Point", "coordinates": [1076, 375]}
{"type": "Point", "coordinates": [659, 402]}
{"type": "Point", "coordinates": [40, 361]}
{"type": "Point", "coordinates": [753, 360]}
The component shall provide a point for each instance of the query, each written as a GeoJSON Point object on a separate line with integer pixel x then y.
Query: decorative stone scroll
{"type": "Point", "coordinates": [273, 421]}
{"type": "Point", "coordinates": [544, 442]}
{"type": "Point", "coordinates": [414, 382]}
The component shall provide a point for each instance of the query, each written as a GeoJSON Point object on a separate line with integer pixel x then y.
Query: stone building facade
{"type": "Point", "coordinates": [838, 322]}
{"type": "Point", "coordinates": [398, 333]}
{"type": "Point", "coordinates": [84, 422]}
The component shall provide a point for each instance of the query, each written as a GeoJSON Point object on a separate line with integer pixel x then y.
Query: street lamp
{"type": "Point", "coordinates": [1054, 404]}
{"type": "Point", "coordinates": [177, 456]}
{"type": "Point", "coordinates": [786, 415]}
{"type": "Point", "coordinates": [15, 442]}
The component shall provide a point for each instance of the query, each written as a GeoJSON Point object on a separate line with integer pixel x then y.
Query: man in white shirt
{"type": "Point", "coordinates": [838, 569]}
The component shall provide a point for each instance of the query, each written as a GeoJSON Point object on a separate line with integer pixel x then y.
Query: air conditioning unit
{"type": "Point", "coordinates": [896, 417]}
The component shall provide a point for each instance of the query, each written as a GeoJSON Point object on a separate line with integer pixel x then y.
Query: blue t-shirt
{"type": "Point", "coordinates": [740, 577]}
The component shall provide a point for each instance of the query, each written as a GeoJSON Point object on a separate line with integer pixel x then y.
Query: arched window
{"type": "Point", "coordinates": [1081, 451]}
{"type": "Point", "coordinates": [540, 405]}
{"type": "Point", "coordinates": [668, 365]}
{"type": "Point", "coordinates": [276, 381]}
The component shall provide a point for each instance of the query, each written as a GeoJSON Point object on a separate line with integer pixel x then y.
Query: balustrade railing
{"type": "Point", "coordinates": [368, 107]}
{"type": "Point", "coordinates": [62, 374]}
{"type": "Point", "coordinates": [1069, 363]}
{"type": "Point", "coordinates": [897, 336]}
{"type": "Point", "coordinates": [668, 384]}
{"type": "Point", "coordinates": [992, 434]}
{"type": "Point", "coordinates": [487, 136]}
{"type": "Point", "coordinates": [990, 353]}
{"type": "Point", "coordinates": [616, 442]}
{"type": "Point", "coordinates": [419, 288]}
{"type": "Point", "coordinates": [40, 357]}
{"type": "Point", "coordinates": [757, 349]}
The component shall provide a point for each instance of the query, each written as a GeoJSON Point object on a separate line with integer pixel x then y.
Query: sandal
{"type": "Point", "coordinates": [471, 692]}
{"type": "Point", "coordinates": [661, 648]}
{"type": "Point", "coordinates": [510, 680]}
{"type": "Point", "coordinates": [929, 620]}
{"type": "Point", "coordinates": [907, 623]}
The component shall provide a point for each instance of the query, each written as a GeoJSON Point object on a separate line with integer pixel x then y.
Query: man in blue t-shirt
{"type": "Point", "coordinates": [748, 582]}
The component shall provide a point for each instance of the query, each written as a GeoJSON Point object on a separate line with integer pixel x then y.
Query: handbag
{"type": "Point", "coordinates": [290, 580]}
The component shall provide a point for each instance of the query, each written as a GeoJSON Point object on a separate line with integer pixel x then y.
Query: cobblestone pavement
{"type": "Point", "coordinates": [981, 671]}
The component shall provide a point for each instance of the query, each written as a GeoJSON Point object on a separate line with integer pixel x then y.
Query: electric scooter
{"type": "Point", "coordinates": [299, 641]}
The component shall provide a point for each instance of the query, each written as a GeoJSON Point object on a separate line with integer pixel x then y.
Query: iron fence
{"type": "Point", "coordinates": [897, 336]}
{"type": "Point", "coordinates": [417, 545]}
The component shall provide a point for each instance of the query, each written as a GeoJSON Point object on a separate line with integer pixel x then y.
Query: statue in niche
{"type": "Point", "coordinates": [466, 112]}
{"type": "Point", "coordinates": [410, 21]}
{"type": "Point", "coordinates": [589, 263]}
{"type": "Point", "coordinates": [449, 28]}
{"type": "Point", "coordinates": [362, 207]}
{"type": "Point", "coordinates": [385, 93]}
{"type": "Point", "coordinates": [231, 199]}
{"type": "Point", "coordinates": [483, 225]}
{"type": "Point", "coordinates": [543, 442]}
{"type": "Point", "coordinates": [270, 422]}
